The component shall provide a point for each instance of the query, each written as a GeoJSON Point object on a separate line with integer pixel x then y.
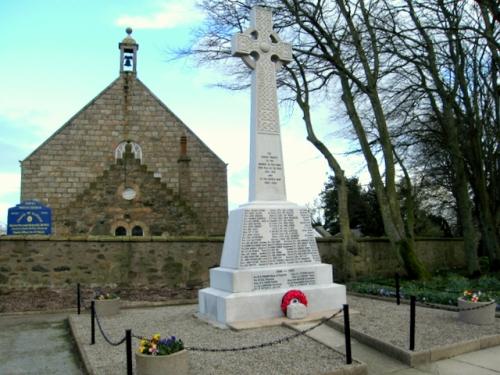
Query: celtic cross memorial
{"type": "Point", "coordinates": [269, 246]}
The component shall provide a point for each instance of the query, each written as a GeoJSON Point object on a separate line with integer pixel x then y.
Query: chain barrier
{"type": "Point", "coordinates": [267, 344]}
{"type": "Point", "coordinates": [108, 340]}
{"type": "Point", "coordinates": [424, 287]}
{"type": "Point", "coordinates": [455, 309]}
{"type": "Point", "coordinates": [249, 347]}
{"type": "Point", "coordinates": [139, 337]}
{"type": "Point", "coordinates": [386, 292]}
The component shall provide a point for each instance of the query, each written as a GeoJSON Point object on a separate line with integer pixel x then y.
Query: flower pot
{"type": "Point", "coordinates": [107, 307]}
{"type": "Point", "coordinates": [480, 313]}
{"type": "Point", "coordinates": [176, 363]}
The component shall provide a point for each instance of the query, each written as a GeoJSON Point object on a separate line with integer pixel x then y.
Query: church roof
{"type": "Point", "coordinates": [128, 40]}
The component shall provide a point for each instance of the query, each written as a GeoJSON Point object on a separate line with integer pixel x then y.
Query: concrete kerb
{"type": "Point", "coordinates": [422, 357]}
{"type": "Point", "coordinates": [38, 312]}
{"type": "Point", "coordinates": [79, 345]}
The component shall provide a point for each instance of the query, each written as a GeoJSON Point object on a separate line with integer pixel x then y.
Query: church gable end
{"type": "Point", "coordinates": [71, 164]}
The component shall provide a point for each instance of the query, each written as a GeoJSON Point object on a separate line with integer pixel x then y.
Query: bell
{"type": "Point", "coordinates": [127, 62]}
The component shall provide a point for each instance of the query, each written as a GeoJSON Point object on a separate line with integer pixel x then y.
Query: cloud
{"type": "Point", "coordinates": [171, 15]}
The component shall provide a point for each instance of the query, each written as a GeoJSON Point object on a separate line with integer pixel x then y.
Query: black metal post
{"type": "Point", "coordinates": [398, 296]}
{"type": "Point", "coordinates": [347, 334]}
{"type": "Point", "coordinates": [128, 348]}
{"type": "Point", "coordinates": [413, 301]}
{"type": "Point", "coordinates": [92, 323]}
{"type": "Point", "coordinates": [78, 297]}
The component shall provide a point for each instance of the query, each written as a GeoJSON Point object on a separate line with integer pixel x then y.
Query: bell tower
{"type": "Point", "coordinates": [128, 54]}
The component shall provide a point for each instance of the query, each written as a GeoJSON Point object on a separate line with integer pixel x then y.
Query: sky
{"type": "Point", "coordinates": [57, 55]}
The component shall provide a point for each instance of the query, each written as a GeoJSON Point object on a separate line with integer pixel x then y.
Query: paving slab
{"type": "Point", "coordinates": [487, 358]}
{"type": "Point", "coordinates": [37, 344]}
{"type": "Point", "coordinates": [377, 362]}
{"type": "Point", "coordinates": [410, 371]}
{"type": "Point", "coordinates": [455, 367]}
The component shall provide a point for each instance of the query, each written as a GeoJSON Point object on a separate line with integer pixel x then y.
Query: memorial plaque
{"type": "Point", "coordinates": [29, 217]}
{"type": "Point", "coordinates": [271, 169]}
{"type": "Point", "coordinates": [277, 237]}
{"type": "Point", "coordinates": [289, 278]}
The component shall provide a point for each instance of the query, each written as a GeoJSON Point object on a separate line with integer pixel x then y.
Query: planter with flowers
{"type": "Point", "coordinates": [476, 308]}
{"type": "Point", "coordinates": [161, 356]}
{"type": "Point", "coordinates": [106, 304]}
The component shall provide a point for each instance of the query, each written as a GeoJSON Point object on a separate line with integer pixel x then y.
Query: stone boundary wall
{"type": "Point", "coordinates": [33, 262]}
{"type": "Point", "coordinates": [375, 257]}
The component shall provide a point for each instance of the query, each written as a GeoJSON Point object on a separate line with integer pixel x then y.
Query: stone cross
{"type": "Point", "coordinates": [262, 51]}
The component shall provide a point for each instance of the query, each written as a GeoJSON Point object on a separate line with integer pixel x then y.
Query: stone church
{"type": "Point", "coordinates": [126, 165]}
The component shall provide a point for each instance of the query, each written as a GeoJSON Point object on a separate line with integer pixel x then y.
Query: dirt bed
{"type": "Point", "coordinates": [58, 299]}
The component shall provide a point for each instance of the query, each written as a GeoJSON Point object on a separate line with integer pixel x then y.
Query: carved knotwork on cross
{"type": "Point", "coordinates": [262, 51]}
{"type": "Point", "coordinates": [260, 44]}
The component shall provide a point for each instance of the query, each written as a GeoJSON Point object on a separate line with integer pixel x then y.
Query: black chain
{"type": "Point", "coordinates": [108, 340]}
{"type": "Point", "coordinates": [270, 343]}
{"type": "Point", "coordinates": [249, 347]}
{"type": "Point", "coordinates": [139, 337]}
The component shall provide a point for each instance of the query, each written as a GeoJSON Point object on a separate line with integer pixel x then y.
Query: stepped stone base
{"type": "Point", "coordinates": [227, 307]}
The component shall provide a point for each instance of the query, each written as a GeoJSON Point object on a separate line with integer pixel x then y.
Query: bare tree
{"type": "Point", "coordinates": [337, 51]}
{"type": "Point", "coordinates": [343, 37]}
{"type": "Point", "coordinates": [450, 53]}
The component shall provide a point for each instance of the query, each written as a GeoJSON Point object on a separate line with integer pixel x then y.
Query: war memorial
{"type": "Point", "coordinates": [269, 247]}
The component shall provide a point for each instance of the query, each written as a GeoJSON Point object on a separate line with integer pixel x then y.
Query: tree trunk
{"type": "Point", "coordinates": [487, 225]}
{"type": "Point", "coordinates": [462, 193]}
{"type": "Point", "coordinates": [349, 244]}
{"type": "Point", "coordinates": [402, 244]}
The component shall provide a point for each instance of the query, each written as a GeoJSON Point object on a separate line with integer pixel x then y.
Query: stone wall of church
{"type": "Point", "coordinates": [66, 164]}
{"type": "Point", "coordinates": [156, 209]}
{"type": "Point", "coordinates": [27, 262]}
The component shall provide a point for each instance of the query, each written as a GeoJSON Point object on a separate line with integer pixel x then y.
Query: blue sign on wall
{"type": "Point", "coordinates": [29, 217]}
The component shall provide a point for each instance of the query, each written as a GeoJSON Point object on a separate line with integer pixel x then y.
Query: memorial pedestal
{"type": "Point", "coordinates": [269, 249]}
{"type": "Point", "coordinates": [225, 307]}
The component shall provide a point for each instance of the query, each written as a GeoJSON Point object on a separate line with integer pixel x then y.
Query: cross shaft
{"type": "Point", "coordinates": [262, 51]}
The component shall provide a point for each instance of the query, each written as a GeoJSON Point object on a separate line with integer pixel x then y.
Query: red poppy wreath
{"type": "Point", "coordinates": [292, 296]}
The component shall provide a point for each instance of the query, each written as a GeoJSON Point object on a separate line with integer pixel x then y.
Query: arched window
{"type": "Point", "coordinates": [137, 231]}
{"type": "Point", "coordinates": [136, 150]}
{"type": "Point", "coordinates": [120, 231]}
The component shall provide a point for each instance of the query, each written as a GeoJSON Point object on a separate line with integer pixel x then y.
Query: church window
{"type": "Point", "coordinates": [120, 231]}
{"type": "Point", "coordinates": [136, 150]}
{"type": "Point", "coordinates": [137, 231]}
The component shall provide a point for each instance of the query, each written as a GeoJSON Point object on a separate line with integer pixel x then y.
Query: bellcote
{"type": "Point", "coordinates": [128, 54]}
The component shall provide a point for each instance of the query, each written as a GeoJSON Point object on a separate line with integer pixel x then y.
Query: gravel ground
{"type": "Point", "coordinates": [301, 355]}
{"type": "Point", "coordinates": [433, 328]}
